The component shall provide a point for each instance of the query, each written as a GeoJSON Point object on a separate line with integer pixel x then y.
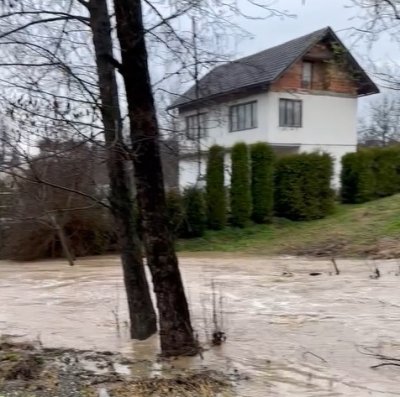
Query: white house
{"type": "Point", "coordinates": [300, 96]}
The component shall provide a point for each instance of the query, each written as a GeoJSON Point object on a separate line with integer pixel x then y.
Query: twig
{"type": "Point", "coordinates": [384, 365]}
{"type": "Point", "coordinates": [315, 355]}
{"type": "Point", "coordinates": [337, 271]}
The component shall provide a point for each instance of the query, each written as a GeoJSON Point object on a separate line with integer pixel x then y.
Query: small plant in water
{"type": "Point", "coordinates": [218, 335]}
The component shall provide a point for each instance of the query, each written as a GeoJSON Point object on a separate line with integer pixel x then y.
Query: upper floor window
{"type": "Point", "coordinates": [243, 116]}
{"type": "Point", "coordinates": [196, 126]}
{"type": "Point", "coordinates": [306, 79]}
{"type": "Point", "coordinates": [290, 113]}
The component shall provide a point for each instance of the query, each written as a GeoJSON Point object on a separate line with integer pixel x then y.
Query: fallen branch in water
{"type": "Point", "coordinates": [337, 271]}
{"type": "Point", "coordinates": [384, 364]}
{"type": "Point", "coordinates": [315, 355]}
{"type": "Point", "coordinates": [390, 361]}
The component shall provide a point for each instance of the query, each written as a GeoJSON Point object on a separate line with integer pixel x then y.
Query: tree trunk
{"type": "Point", "coordinates": [176, 334]}
{"type": "Point", "coordinates": [63, 240]}
{"type": "Point", "coordinates": [141, 311]}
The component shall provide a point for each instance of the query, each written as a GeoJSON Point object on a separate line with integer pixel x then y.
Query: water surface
{"type": "Point", "coordinates": [291, 336]}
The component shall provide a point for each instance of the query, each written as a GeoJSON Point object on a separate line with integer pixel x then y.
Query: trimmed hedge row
{"type": "Point", "coordinates": [215, 188]}
{"type": "Point", "coordinates": [370, 174]}
{"type": "Point", "coordinates": [240, 192]}
{"type": "Point", "coordinates": [262, 182]}
{"type": "Point", "coordinates": [303, 186]}
{"type": "Point", "coordinates": [297, 187]}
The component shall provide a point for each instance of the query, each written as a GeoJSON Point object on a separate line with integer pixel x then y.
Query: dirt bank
{"type": "Point", "coordinates": [30, 370]}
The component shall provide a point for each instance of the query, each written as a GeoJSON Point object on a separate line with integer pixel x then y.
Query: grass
{"type": "Point", "coordinates": [352, 230]}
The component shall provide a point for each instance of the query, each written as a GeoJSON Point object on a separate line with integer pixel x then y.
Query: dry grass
{"type": "Point", "coordinates": [31, 371]}
{"type": "Point", "coordinates": [195, 385]}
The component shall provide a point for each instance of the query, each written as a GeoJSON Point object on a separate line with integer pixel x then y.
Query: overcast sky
{"type": "Point", "coordinates": [310, 15]}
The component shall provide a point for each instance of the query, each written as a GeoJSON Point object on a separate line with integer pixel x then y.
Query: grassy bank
{"type": "Point", "coordinates": [371, 229]}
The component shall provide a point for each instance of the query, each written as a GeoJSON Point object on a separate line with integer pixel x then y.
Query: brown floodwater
{"type": "Point", "coordinates": [293, 335]}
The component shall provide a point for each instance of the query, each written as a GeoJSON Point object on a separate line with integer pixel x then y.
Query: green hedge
{"type": "Point", "coordinates": [240, 192]}
{"type": "Point", "coordinates": [357, 177]}
{"type": "Point", "coordinates": [194, 208]}
{"type": "Point", "coordinates": [370, 174]}
{"type": "Point", "coordinates": [386, 170]}
{"type": "Point", "coordinates": [262, 182]}
{"type": "Point", "coordinates": [175, 212]}
{"type": "Point", "coordinates": [215, 189]}
{"type": "Point", "coordinates": [302, 186]}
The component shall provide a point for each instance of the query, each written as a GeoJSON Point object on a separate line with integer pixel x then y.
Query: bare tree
{"type": "Point", "coordinates": [45, 220]}
{"type": "Point", "coordinates": [140, 306]}
{"type": "Point", "coordinates": [376, 19]}
{"type": "Point", "coordinates": [52, 83]}
{"type": "Point", "coordinates": [176, 333]}
{"type": "Point", "coordinates": [381, 123]}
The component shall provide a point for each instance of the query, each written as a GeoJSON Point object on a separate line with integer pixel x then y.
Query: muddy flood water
{"type": "Point", "coordinates": [288, 335]}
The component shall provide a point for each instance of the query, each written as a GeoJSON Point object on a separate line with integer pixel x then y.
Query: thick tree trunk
{"type": "Point", "coordinates": [176, 334]}
{"type": "Point", "coordinates": [141, 311]}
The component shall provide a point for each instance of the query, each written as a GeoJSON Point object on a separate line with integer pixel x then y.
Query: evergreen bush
{"type": "Point", "coordinates": [194, 209]}
{"type": "Point", "coordinates": [370, 174]}
{"type": "Point", "coordinates": [262, 182]}
{"type": "Point", "coordinates": [386, 168]}
{"type": "Point", "coordinates": [358, 178]}
{"type": "Point", "coordinates": [240, 192]}
{"type": "Point", "coordinates": [302, 186]}
{"type": "Point", "coordinates": [215, 189]}
{"type": "Point", "coordinates": [175, 213]}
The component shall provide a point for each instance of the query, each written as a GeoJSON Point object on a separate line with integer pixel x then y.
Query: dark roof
{"type": "Point", "coordinates": [261, 68]}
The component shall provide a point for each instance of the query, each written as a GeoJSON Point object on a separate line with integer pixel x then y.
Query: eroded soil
{"type": "Point", "coordinates": [30, 370]}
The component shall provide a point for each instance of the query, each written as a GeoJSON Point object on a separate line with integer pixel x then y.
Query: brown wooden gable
{"type": "Point", "coordinates": [330, 73]}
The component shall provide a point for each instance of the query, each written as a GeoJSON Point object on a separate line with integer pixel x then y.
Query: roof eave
{"type": "Point", "coordinates": [209, 100]}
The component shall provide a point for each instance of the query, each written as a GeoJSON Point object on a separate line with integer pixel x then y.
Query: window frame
{"type": "Point", "coordinates": [236, 110]}
{"type": "Point", "coordinates": [307, 85]}
{"type": "Point", "coordinates": [201, 118]}
{"type": "Point", "coordinates": [289, 120]}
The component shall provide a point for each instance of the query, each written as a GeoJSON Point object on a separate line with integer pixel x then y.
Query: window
{"type": "Point", "coordinates": [306, 79]}
{"type": "Point", "coordinates": [290, 113]}
{"type": "Point", "coordinates": [243, 116]}
{"type": "Point", "coordinates": [196, 126]}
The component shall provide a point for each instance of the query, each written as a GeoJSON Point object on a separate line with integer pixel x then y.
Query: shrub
{"type": "Point", "coordinates": [88, 232]}
{"type": "Point", "coordinates": [370, 174]}
{"type": "Point", "coordinates": [262, 182]}
{"type": "Point", "coordinates": [215, 189]}
{"type": "Point", "coordinates": [240, 192]}
{"type": "Point", "coordinates": [175, 213]}
{"type": "Point", "coordinates": [194, 208]}
{"type": "Point", "coordinates": [302, 186]}
{"type": "Point", "coordinates": [386, 168]}
{"type": "Point", "coordinates": [357, 177]}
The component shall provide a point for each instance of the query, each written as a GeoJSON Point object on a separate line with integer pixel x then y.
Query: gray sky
{"type": "Point", "coordinates": [310, 16]}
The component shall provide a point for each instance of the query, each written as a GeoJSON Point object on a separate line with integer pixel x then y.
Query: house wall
{"type": "Point", "coordinates": [329, 125]}
{"type": "Point", "coordinates": [218, 125]}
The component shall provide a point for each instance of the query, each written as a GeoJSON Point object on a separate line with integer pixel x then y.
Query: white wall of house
{"type": "Point", "coordinates": [329, 124]}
